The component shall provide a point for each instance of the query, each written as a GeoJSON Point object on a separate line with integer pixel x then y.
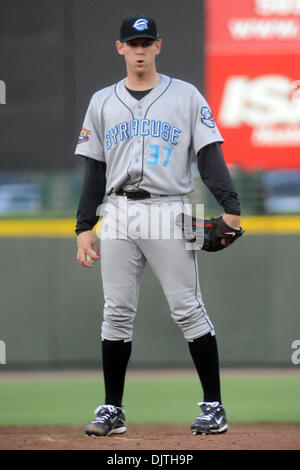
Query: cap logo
{"type": "Point", "coordinates": [141, 24]}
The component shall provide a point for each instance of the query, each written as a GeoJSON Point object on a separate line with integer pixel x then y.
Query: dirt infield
{"type": "Point", "coordinates": [148, 437]}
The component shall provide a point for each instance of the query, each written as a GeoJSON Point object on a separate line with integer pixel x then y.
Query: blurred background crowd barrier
{"type": "Point", "coordinates": [42, 194]}
{"type": "Point", "coordinates": [56, 194]}
{"type": "Point", "coordinates": [244, 58]}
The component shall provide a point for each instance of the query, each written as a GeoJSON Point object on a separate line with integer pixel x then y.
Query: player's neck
{"type": "Point", "coordinates": [142, 82]}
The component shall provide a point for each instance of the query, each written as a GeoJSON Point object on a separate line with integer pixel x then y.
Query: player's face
{"type": "Point", "coordinates": [139, 54]}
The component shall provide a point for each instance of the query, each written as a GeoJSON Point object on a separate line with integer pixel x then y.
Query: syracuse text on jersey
{"type": "Point", "coordinates": [141, 127]}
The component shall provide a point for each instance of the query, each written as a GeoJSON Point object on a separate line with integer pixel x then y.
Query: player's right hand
{"type": "Point", "coordinates": [86, 243]}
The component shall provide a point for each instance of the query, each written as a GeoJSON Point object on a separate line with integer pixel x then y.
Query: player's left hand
{"type": "Point", "coordinates": [212, 234]}
{"type": "Point", "coordinates": [233, 221]}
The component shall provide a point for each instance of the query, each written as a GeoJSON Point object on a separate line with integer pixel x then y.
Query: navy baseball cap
{"type": "Point", "coordinates": [138, 26]}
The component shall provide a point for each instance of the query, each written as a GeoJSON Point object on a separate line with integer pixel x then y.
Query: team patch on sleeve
{"type": "Point", "coordinates": [207, 117]}
{"type": "Point", "coordinates": [84, 135]}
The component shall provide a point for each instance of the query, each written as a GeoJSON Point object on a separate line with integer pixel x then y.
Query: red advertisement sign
{"type": "Point", "coordinates": [256, 104]}
{"type": "Point", "coordinates": [253, 80]}
{"type": "Point", "coordinates": [249, 25]}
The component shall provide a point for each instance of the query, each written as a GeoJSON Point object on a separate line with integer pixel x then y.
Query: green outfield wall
{"type": "Point", "coordinates": [51, 307]}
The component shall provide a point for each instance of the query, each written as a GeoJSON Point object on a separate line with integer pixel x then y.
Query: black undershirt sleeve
{"type": "Point", "coordinates": [216, 177]}
{"type": "Point", "coordinates": [92, 194]}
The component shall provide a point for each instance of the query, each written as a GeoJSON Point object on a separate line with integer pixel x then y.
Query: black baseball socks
{"type": "Point", "coordinates": [115, 357]}
{"type": "Point", "coordinates": [204, 352]}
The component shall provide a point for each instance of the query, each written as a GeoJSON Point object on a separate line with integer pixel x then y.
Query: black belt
{"type": "Point", "coordinates": [141, 194]}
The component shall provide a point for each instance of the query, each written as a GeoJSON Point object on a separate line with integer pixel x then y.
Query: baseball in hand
{"type": "Point", "coordinates": [89, 259]}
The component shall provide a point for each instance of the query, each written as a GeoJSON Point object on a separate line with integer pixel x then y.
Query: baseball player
{"type": "Point", "coordinates": [138, 139]}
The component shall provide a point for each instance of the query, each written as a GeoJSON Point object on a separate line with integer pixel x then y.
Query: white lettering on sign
{"type": "Point", "coordinates": [264, 29]}
{"type": "Point", "coordinates": [260, 101]}
{"type": "Point", "coordinates": [276, 136]}
{"type": "Point", "coordinates": [277, 7]}
{"type": "Point", "coordinates": [265, 103]}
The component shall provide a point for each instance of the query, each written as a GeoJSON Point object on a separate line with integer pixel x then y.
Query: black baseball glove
{"type": "Point", "coordinates": [210, 234]}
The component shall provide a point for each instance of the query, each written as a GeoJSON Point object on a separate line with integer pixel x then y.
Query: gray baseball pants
{"type": "Point", "coordinates": [124, 253]}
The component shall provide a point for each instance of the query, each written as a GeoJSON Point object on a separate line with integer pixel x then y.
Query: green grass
{"type": "Point", "coordinates": [147, 400]}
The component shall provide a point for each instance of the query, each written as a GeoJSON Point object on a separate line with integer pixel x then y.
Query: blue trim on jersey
{"type": "Point", "coordinates": [108, 142]}
{"type": "Point", "coordinates": [166, 130]}
{"type": "Point", "coordinates": [155, 128]}
{"type": "Point", "coordinates": [134, 125]}
{"type": "Point", "coordinates": [144, 123]}
{"type": "Point", "coordinates": [175, 134]}
{"type": "Point", "coordinates": [123, 131]}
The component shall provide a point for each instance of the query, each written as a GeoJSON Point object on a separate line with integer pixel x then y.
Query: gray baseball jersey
{"type": "Point", "coordinates": [150, 143]}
